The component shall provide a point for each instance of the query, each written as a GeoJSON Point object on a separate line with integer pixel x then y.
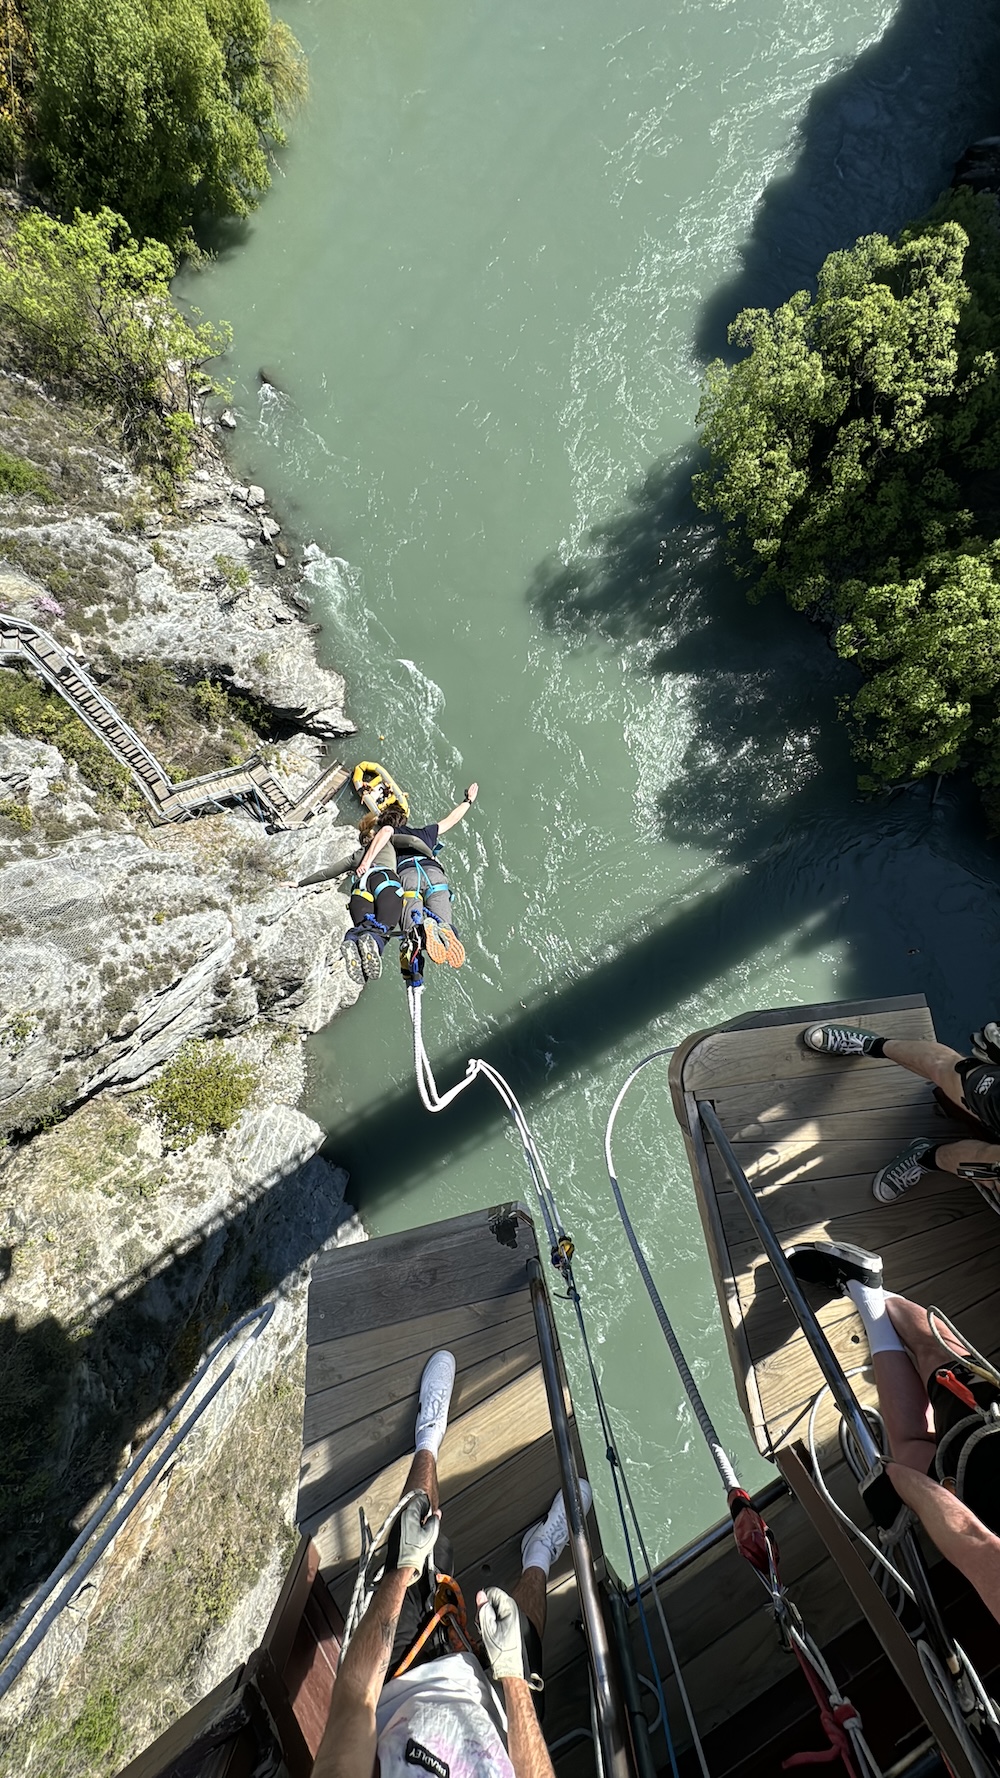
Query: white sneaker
{"type": "Point", "coordinates": [545, 1541]}
{"type": "Point", "coordinates": [436, 1386]}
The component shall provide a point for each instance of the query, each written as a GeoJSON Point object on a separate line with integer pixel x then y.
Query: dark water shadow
{"type": "Point", "coordinates": [877, 143]}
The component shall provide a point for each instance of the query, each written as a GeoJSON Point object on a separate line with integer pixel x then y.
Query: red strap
{"type": "Point", "coordinates": [833, 1717]}
{"type": "Point", "coordinates": [753, 1538]}
{"type": "Point", "coordinates": [950, 1381]}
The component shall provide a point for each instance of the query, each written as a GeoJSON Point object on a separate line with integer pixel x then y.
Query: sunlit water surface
{"type": "Point", "coordinates": [499, 250]}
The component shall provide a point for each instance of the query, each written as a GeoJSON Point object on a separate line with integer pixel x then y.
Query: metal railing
{"type": "Point", "coordinates": [256, 1319]}
{"type": "Point", "coordinates": [907, 1549]}
{"type": "Point", "coordinates": [611, 1740]}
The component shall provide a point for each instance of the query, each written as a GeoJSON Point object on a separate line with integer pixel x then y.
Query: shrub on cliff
{"type": "Point", "coordinates": [850, 453]}
{"type": "Point", "coordinates": [203, 1091]}
{"type": "Point", "coordinates": [160, 109]}
{"type": "Point", "coordinates": [84, 305]}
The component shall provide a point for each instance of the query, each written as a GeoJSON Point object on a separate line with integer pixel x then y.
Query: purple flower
{"type": "Point", "coordinates": [48, 606]}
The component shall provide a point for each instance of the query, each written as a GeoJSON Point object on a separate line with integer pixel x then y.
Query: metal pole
{"type": "Point", "coordinates": [816, 1339]}
{"type": "Point", "coordinates": [613, 1743]}
{"type": "Point", "coordinates": [833, 1376]}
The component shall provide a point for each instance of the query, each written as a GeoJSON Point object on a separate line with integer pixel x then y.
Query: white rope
{"type": "Point", "coordinates": [435, 1101]}
{"type": "Point", "coordinates": [365, 1585]}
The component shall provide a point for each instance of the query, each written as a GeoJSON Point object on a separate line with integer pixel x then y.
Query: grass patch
{"type": "Point", "coordinates": [203, 1091]}
{"type": "Point", "coordinates": [19, 477]}
{"type": "Point", "coordinates": [219, 1528]}
{"type": "Point", "coordinates": [29, 709]}
{"type": "Point", "coordinates": [18, 814]}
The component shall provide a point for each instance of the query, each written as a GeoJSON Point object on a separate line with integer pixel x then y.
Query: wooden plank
{"type": "Point", "coordinates": [721, 1590]}
{"type": "Point", "coordinates": [341, 1260]}
{"type": "Point", "coordinates": [329, 1412]}
{"type": "Point", "coordinates": [778, 1053]}
{"type": "Point", "coordinates": [514, 1418]}
{"type": "Point", "coordinates": [907, 1234]}
{"type": "Point", "coordinates": [779, 1101]}
{"type": "Point", "coordinates": [909, 1264]}
{"type": "Point", "coordinates": [498, 1499]}
{"type": "Point", "coordinates": [335, 1461]}
{"type": "Point", "coordinates": [447, 1271]}
{"type": "Point", "coordinates": [800, 1203]}
{"type": "Point", "coordinates": [338, 1361]}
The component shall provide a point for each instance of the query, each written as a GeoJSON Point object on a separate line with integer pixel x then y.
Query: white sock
{"type": "Point", "coordinates": [869, 1300]}
{"type": "Point", "coordinates": [430, 1438]}
{"type": "Point", "coordinates": [537, 1555]}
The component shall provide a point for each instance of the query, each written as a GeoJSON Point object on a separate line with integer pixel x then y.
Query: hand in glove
{"type": "Point", "coordinates": [502, 1628]}
{"type": "Point", "coordinates": [417, 1529]}
{"type": "Point", "coordinates": [986, 1043]}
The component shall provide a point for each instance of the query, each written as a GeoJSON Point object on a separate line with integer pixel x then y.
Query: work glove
{"type": "Point", "coordinates": [502, 1628]}
{"type": "Point", "coordinates": [986, 1043]}
{"type": "Point", "coordinates": [413, 1536]}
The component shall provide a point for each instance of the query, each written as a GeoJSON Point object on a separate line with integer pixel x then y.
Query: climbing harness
{"type": "Point", "coordinates": [449, 1611]}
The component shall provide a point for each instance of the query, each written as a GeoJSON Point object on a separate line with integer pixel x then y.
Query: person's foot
{"type": "Point", "coordinates": [352, 962]}
{"type": "Point", "coordinates": [371, 957]}
{"type": "Point", "coordinates": [892, 1181]}
{"type": "Point", "coordinates": [834, 1264]}
{"type": "Point", "coordinates": [838, 1040]}
{"type": "Point", "coordinates": [436, 1386]}
{"type": "Point", "coordinates": [543, 1543]}
{"type": "Point", "coordinates": [443, 944]}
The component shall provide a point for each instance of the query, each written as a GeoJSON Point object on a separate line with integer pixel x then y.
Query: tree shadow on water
{"type": "Point", "coordinates": [877, 143]}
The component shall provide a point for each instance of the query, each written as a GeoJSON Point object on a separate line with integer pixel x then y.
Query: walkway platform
{"type": "Point", "coordinates": [377, 1311]}
{"type": "Point", "coordinates": [810, 1132]}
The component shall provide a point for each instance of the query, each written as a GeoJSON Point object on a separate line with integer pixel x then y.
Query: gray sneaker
{"type": "Point", "coordinates": [890, 1182]}
{"type": "Point", "coordinates": [839, 1040]}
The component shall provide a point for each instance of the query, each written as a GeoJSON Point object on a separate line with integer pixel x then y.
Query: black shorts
{"type": "Point", "coordinates": [981, 1481]}
{"type": "Point", "coordinates": [417, 1608]}
{"type": "Point", "coordinates": [981, 1093]}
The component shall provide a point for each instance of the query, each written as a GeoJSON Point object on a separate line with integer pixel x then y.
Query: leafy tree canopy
{"type": "Point", "coordinates": [162, 110]}
{"type": "Point", "coordinates": [853, 459]}
{"type": "Point", "coordinates": [85, 305]}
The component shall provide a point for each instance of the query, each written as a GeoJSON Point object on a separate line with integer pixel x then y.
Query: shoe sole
{"type": "Point", "coordinates": [371, 960]}
{"type": "Point", "coordinates": [815, 1262]}
{"type": "Point", "coordinates": [443, 945]}
{"type": "Point", "coordinates": [353, 966]}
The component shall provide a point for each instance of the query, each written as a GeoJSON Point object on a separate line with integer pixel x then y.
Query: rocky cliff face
{"type": "Point", "coordinates": [121, 1259]}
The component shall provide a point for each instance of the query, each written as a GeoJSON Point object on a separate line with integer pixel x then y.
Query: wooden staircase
{"type": "Point", "coordinates": [250, 783]}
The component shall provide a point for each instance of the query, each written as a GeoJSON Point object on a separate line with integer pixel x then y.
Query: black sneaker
{"type": "Point", "coordinates": [838, 1040]}
{"type": "Point", "coordinates": [834, 1264]}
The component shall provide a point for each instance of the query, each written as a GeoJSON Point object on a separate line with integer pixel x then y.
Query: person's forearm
{"type": "Point", "coordinates": [962, 1538]}
{"type": "Point", "coordinates": [460, 810]}
{"type": "Point", "coordinates": [374, 848]}
{"type": "Point", "coordinates": [348, 1746]}
{"type": "Point", "coordinates": [529, 1755]}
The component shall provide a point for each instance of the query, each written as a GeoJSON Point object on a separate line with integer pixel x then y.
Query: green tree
{"type": "Point", "coordinates": [84, 305]}
{"type": "Point", "coordinates": [852, 455]}
{"type": "Point", "coordinates": [162, 110]}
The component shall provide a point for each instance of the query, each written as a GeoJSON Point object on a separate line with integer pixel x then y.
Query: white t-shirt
{"type": "Point", "coordinates": [443, 1719]}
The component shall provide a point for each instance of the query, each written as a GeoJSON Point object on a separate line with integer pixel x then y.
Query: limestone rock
{"type": "Point", "coordinates": [256, 496]}
{"type": "Point", "coordinates": [227, 419]}
{"type": "Point", "coordinates": [114, 953]}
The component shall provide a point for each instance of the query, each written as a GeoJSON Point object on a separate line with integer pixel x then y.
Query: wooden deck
{"type": "Point", "coordinates": [810, 1131]}
{"type": "Point", "coordinates": [377, 1312]}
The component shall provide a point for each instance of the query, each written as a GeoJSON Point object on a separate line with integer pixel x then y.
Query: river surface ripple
{"type": "Point", "coordinates": [499, 250]}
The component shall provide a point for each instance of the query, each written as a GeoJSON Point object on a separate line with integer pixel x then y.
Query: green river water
{"type": "Point", "coordinates": [498, 251]}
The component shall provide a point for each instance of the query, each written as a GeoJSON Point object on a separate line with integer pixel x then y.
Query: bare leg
{"type": "Point", "coordinates": [951, 1155]}
{"type": "Point", "coordinates": [933, 1061]}
{"type": "Point", "coordinates": [423, 1473]}
{"type": "Point", "coordinates": [530, 1595]}
{"type": "Point", "coordinates": [901, 1380]}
